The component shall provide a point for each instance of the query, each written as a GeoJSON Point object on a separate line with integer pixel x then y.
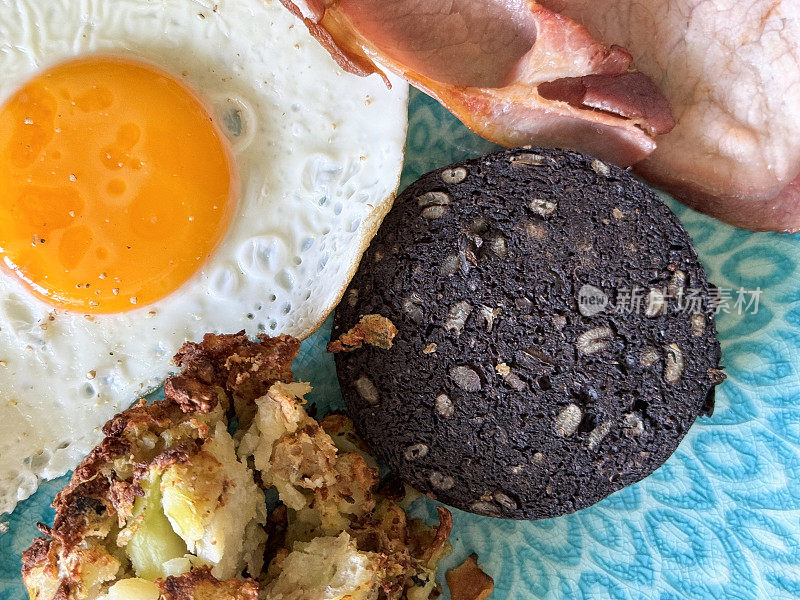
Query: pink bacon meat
{"type": "Point", "coordinates": [511, 70]}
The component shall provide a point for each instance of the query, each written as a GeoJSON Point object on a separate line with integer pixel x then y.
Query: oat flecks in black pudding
{"type": "Point", "coordinates": [555, 340]}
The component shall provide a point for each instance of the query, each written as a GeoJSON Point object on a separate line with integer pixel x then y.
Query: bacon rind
{"type": "Point", "coordinates": [616, 128]}
{"type": "Point", "coordinates": [352, 62]}
{"type": "Point", "coordinates": [757, 209]}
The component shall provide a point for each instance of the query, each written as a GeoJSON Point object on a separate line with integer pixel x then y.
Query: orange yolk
{"type": "Point", "coordinates": [115, 185]}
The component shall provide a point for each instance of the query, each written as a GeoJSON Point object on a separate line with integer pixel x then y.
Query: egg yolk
{"type": "Point", "coordinates": [115, 185]}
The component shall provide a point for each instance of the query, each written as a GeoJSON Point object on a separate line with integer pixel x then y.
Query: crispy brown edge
{"type": "Point", "coordinates": [188, 586]}
{"type": "Point", "coordinates": [351, 61]}
{"type": "Point", "coordinates": [375, 330]}
{"type": "Point", "coordinates": [468, 581]}
{"type": "Point", "coordinates": [240, 366]}
{"type": "Point", "coordinates": [231, 362]}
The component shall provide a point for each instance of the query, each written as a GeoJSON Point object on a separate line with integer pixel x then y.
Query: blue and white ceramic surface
{"type": "Point", "coordinates": [720, 520]}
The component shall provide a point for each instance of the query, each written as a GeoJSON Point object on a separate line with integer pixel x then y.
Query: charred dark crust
{"type": "Point", "coordinates": [77, 506]}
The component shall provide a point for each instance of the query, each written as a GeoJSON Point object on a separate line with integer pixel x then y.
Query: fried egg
{"type": "Point", "coordinates": [166, 169]}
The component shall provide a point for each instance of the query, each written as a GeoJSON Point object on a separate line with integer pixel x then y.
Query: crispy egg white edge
{"type": "Point", "coordinates": [319, 158]}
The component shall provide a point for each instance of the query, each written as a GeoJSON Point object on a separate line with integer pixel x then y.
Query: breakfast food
{"type": "Point", "coordinates": [167, 506]}
{"type": "Point", "coordinates": [513, 72]}
{"type": "Point", "coordinates": [555, 336]}
{"type": "Point", "coordinates": [469, 582]}
{"type": "Point", "coordinates": [167, 169]}
{"type": "Point", "coordinates": [733, 81]}
{"type": "Point", "coordinates": [731, 77]}
{"type": "Point", "coordinates": [165, 492]}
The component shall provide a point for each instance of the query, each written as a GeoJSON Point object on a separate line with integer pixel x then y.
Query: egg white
{"type": "Point", "coordinates": [319, 153]}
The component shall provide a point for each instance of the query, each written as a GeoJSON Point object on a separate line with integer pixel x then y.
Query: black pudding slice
{"type": "Point", "coordinates": [556, 336]}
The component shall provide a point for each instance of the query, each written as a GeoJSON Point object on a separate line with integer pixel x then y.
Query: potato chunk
{"type": "Point", "coordinates": [133, 589]}
{"type": "Point", "coordinates": [326, 568]}
{"type": "Point", "coordinates": [153, 542]}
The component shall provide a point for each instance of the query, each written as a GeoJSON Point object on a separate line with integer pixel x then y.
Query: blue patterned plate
{"type": "Point", "coordinates": [720, 520]}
